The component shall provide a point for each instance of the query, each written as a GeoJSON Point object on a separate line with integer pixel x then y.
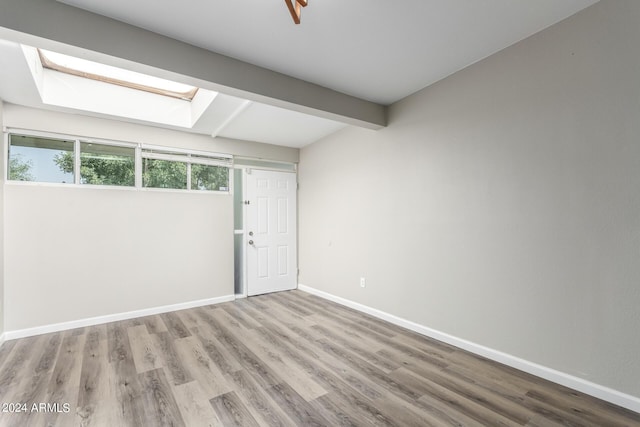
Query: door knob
{"type": "Point", "coordinates": [251, 242]}
{"type": "Point", "coordinates": [251, 233]}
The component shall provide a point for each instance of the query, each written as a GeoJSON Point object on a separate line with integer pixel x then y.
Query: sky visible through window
{"type": "Point", "coordinates": [43, 166]}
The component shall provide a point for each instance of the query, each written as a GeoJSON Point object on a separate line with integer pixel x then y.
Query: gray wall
{"type": "Point", "coordinates": [501, 205]}
{"type": "Point", "coordinates": [2, 175]}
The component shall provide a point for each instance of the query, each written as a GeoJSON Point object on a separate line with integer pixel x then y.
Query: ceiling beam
{"type": "Point", "coordinates": [227, 121]}
{"type": "Point", "coordinates": [56, 26]}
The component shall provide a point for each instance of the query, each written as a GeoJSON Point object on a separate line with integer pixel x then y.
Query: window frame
{"type": "Point", "coordinates": [43, 135]}
{"type": "Point", "coordinates": [186, 171]}
{"type": "Point", "coordinates": [78, 161]}
{"type": "Point", "coordinates": [50, 64]}
{"type": "Point", "coordinates": [155, 152]}
{"type": "Point", "coordinates": [141, 151]}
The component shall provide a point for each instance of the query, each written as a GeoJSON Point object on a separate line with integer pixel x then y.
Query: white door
{"type": "Point", "coordinates": [271, 231]}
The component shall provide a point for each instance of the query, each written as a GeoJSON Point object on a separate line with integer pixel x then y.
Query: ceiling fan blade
{"type": "Point", "coordinates": [294, 10]}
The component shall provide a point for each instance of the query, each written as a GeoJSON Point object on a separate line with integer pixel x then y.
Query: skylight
{"type": "Point", "coordinates": [118, 76]}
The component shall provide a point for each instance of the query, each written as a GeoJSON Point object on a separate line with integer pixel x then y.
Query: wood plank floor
{"type": "Point", "coordinates": [285, 359]}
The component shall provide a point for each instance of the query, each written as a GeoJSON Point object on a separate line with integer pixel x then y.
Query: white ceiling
{"type": "Point", "coordinates": [377, 50]}
{"type": "Point", "coordinates": [227, 116]}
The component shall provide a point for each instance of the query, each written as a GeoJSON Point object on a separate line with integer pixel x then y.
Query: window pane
{"type": "Point", "coordinates": [238, 199]}
{"type": "Point", "coordinates": [164, 174]}
{"type": "Point", "coordinates": [114, 75]}
{"type": "Point", "coordinates": [40, 159]}
{"type": "Point", "coordinates": [106, 164]}
{"type": "Point", "coordinates": [212, 178]}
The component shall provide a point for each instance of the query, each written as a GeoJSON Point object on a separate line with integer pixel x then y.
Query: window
{"type": "Point", "coordinates": [158, 173]}
{"type": "Point", "coordinates": [102, 164]}
{"type": "Point", "coordinates": [41, 159]}
{"type": "Point", "coordinates": [60, 160]}
{"type": "Point", "coordinates": [176, 169]}
{"type": "Point", "coordinates": [114, 75]}
{"type": "Point", "coordinates": [208, 177]}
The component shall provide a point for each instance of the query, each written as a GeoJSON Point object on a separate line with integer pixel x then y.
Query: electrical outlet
{"type": "Point", "coordinates": [363, 282]}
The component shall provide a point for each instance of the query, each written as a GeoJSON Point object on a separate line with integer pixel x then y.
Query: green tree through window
{"type": "Point", "coordinates": [212, 178]}
{"type": "Point", "coordinates": [54, 160]}
{"type": "Point", "coordinates": [164, 174]}
{"type": "Point", "coordinates": [101, 164]}
{"type": "Point", "coordinates": [20, 170]}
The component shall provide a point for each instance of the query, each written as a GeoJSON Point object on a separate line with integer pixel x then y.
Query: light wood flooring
{"type": "Point", "coordinates": [289, 359]}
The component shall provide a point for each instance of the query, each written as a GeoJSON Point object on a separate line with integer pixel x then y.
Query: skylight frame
{"type": "Point", "coordinates": [52, 65]}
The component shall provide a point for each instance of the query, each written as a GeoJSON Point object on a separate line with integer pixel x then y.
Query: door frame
{"type": "Point", "coordinates": [246, 169]}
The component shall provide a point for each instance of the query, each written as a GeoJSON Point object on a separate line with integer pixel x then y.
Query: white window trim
{"type": "Point", "coordinates": [213, 161]}
{"type": "Point", "coordinates": [76, 162]}
{"type": "Point", "coordinates": [185, 151]}
{"type": "Point", "coordinates": [138, 168]}
{"type": "Point", "coordinates": [159, 153]}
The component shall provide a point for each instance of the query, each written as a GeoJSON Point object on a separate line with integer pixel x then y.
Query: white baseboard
{"type": "Point", "coordinates": [2, 339]}
{"type": "Point", "coordinates": [57, 327]}
{"type": "Point", "coordinates": [601, 392]}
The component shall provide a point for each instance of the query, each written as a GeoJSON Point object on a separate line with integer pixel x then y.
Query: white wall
{"type": "Point", "coordinates": [77, 253]}
{"type": "Point", "coordinates": [501, 205]}
{"type": "Point", "coordinates": [85, 126]}
{"type": "Point", "coordinates": [74, 253]}
{"type": "Point", "coordinates": [2, 179]}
